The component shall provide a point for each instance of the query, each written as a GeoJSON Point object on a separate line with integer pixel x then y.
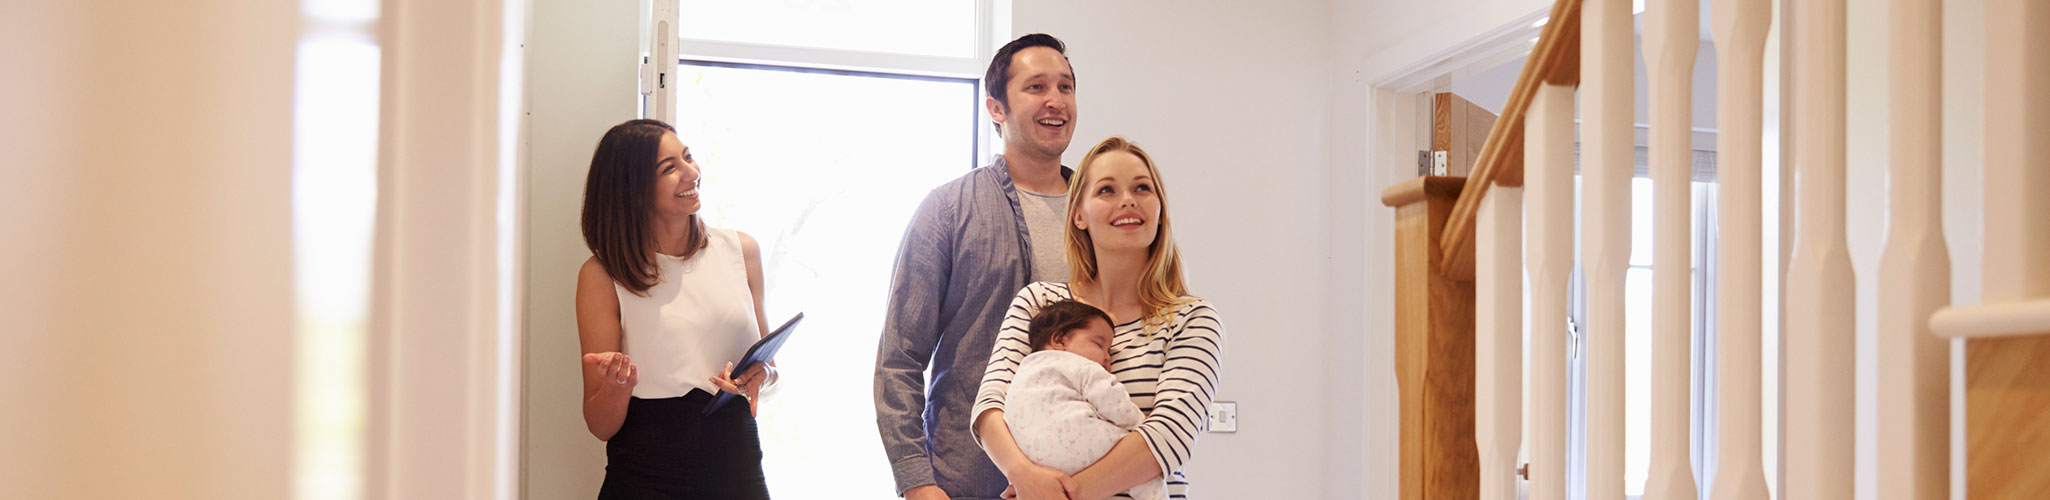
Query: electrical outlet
{"type": "Point", "coordinates": [1224, 416]}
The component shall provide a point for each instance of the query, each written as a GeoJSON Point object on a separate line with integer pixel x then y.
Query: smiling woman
{"type": "Point", "coordinates": [1168, 346]}
{"type": "Point", "coordinates": [664, 286]}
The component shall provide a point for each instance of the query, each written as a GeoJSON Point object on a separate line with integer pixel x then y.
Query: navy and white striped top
{"type": "Point", "coordinates": [1171, 375]}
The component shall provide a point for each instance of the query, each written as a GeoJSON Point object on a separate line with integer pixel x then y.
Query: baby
{"type": "Point", "coordinates": [1065, 409]}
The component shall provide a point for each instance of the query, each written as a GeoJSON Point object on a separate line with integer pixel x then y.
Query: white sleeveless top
{"type": "Point", "coordinates": [700, 316]}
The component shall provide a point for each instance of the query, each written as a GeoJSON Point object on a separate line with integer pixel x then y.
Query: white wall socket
{"type": "Point", "coordinates": [1224, 416]}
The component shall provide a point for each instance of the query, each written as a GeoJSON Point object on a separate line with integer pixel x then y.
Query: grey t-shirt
{"type": "Point", "coordinates": [1046, 219]}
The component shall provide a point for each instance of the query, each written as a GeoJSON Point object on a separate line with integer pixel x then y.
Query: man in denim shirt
{"type": "Point", "coordinates": [973, 243]}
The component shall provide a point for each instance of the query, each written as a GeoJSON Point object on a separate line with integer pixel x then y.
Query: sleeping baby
{"type": "Point", "coordinates": [1065, 409]}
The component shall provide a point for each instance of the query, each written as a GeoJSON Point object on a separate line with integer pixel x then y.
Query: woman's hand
{"type": "Point", "coordinates": [748, 385]}
{"type": "Point", "coordinates": [619, 375]}
{"type": "Point", "coordinates": [1029, 481]}
{"type": "Point", "coordinates": [1039, 482]}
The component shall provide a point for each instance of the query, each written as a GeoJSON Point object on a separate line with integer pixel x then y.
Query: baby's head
{"type": "Point", "coordinates": [1074, 327]}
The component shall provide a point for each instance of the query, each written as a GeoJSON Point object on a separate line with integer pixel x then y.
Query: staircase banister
{"type": "Point", "coordinates": [1555, 60]}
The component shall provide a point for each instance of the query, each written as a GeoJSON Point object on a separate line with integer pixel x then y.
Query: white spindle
{"type": "Point", "coordinates": [2017, 150]}
{"type": "Point", "coordinates": [1548, 177]}
{"type": "Point", "coordinates": [1498, 339]}
{"type": "Point", "coordinates": [1820, 357]}
{"type": "Point", "coordinates": [1671, 40]}
{"type": "Point", "coordinates": [2017, 276]}
{"type": "Point", "coordinates": [1607, 164]}
{"type": "Point", "coordinates": [1740, 28]}
{"type": "Point", "coordinates": [1913, 416]}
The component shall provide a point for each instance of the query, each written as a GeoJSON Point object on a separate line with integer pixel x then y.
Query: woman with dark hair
{"type": "Point", "coordinates": [664, 305]}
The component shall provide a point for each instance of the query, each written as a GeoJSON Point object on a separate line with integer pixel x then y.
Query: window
{"type": "Point", "coordinates": [763, 99]}
{"type": "Point", "coordinates": [1638, 343]}
{"type": "Point", "coordinates": [828, 205]}
{"type": "Point", "coordinates": [914, 27]}
{"type": "Point", "coordinates": [334, 205]}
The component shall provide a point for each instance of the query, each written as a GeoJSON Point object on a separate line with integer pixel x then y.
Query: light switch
{"type": "Point", "coordinates": [1224, 416]}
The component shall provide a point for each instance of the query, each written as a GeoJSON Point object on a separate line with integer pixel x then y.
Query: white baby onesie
{"type": "Point", "coordinates": [1066, 412]}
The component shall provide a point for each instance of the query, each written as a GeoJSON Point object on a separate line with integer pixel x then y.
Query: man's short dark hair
{"type": "Point", "coordinates": [997, 80]}
{"type": "Point", "coordinates": [1056, 320]}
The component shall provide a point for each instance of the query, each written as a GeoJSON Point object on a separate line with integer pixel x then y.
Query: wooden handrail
{"type": "Point", "coordinates": [1555, 60]}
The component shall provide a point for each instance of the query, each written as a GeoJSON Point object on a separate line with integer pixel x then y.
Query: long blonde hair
{"type": "Point", "coordinates": [1161, 286]}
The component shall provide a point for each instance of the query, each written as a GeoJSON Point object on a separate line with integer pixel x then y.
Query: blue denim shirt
{"type": "Point", "coordinates": [964, 256]}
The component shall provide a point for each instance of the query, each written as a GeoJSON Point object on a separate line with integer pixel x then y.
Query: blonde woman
{"type": "Point", "coordinates": [1166, 349]}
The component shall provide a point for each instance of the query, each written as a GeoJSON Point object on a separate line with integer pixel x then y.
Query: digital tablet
{"type": "Point", "coordinates": [763, 351]}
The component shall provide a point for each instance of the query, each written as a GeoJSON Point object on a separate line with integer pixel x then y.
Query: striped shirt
{"type": "Point", "coordinates": [1171, 375]}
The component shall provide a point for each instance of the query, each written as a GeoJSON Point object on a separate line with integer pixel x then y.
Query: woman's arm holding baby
{"type": "Point", "coordinates": [1126, 465]}
{"type": "Point", "coordinates": [1032, 481]}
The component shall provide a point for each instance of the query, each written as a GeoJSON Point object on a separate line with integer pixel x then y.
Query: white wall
{"type": "Point", "coordinates": [581, 81]}
{"type": "Point", "coordinates": [1359, 359]}
{"type": "Point", "coordinates": [1231, 100]}
{"type": "Point", "coordinates": [146, 304]}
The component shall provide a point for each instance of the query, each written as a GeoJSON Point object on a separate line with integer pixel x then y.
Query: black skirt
{"type": "Point", "coordinates": [668, 448]}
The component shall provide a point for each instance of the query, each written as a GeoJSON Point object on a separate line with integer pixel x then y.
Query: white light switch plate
{"type": "Point", "coordinates": [1224, 416]}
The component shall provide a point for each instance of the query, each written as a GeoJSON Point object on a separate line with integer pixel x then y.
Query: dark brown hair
{"type": "Point", "coordinates": [1056, 320]}
{"type": "Point", "coordinates": [997, 79]}
{"type": "Point", "coordinates": [619, 204]}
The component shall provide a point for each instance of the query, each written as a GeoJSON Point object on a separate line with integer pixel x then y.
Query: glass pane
{"type": "Point", "coordinates": [1703, 201]}
{"type": "Point", "coordinates": [824, 170]}
{"type": "Point", "coordinates": [1641, 217]}
{"type": "Point", "coordinates": [943, 28]}
{"type": "Point", "coordinates": [334, 216]}
{"type": "Point", "coordinates": [1637, 389]}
